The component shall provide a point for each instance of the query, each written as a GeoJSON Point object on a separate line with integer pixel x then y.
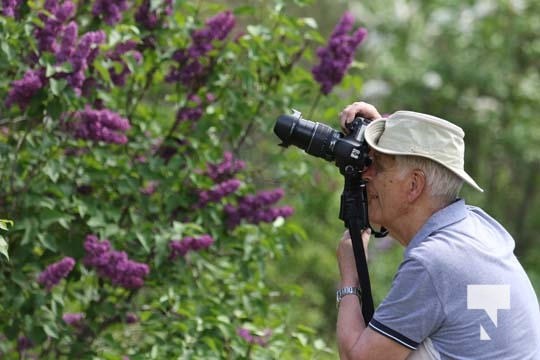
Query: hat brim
{"type": "Point", "coordinates": [374, 131]}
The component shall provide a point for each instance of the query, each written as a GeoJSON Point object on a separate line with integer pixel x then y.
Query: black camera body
{"type": "Point", "coordinates": [350, 152]}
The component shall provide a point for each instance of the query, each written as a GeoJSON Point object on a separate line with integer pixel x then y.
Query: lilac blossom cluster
{"type": "Point", "coordinates": [336, 57]}
{"type": "Point", "coordinates": [150, 188]}
{"type": "Point", "coordinates": [110, 11]}
{"type": "Point", "coordinates": [53, 18]}
{"type": "Point", "coordinates": [112, 264]}
{"type": "Point", "coordinates": [225, 169]}
{"type": "Point", "coordinates": [24, 343]}
{"type": "Point", "coordinates": [192, 63]}
{"type": "Point", "coordinates": [131, 318]}
{"type": "Point", "coordinates": [148, 17]}
{"type": "Point", "coordinates": [73, 319]}
{"type": "Point", "coordinates": [218, 192]}
{"type": "Point", "coordinates": [24, 89]}
{"type": "Point", "coordinates": [189, 243]}
{"type": "Point", "coordinates": [82, 54]}
{"type": "Point", "coordinates": [100, 125]}
{"type": "Point", "coordinates": [54, 273]}
{"type": "Point", "coordinates": [254, 339]}
{"type": "Point", "coordinates": [60, 39]}
{"type": "Point", "coordinates": [10, 8]}
{"type": "Point", "coordinates": [257, 208]}
{"type": "Point", "coordinates": [193, 111]}
{"type": "Point", "coordinates": [118, 77]}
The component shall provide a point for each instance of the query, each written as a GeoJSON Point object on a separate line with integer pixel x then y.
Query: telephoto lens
{"type": "Point", "coordinates": [315, 138]}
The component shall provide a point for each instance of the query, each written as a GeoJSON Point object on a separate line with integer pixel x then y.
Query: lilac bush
{"type": "Point", "coordinates": [126, 128]}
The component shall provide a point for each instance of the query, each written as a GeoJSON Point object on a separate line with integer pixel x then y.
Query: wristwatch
{"type": "Point", "coordinates": [348, 290]}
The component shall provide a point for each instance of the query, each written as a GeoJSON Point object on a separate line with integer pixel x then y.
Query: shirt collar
{"type": "Point", "coordinates": [449, 215]}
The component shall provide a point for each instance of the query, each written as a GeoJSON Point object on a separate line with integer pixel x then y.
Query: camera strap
{"type": "Point", "coordinates": [353, 212]}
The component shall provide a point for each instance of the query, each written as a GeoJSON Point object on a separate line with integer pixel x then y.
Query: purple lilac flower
{"type": "Point", "coordinates": [192, 65]}
{"type": "Point", "coordinates": [100, 125]}
{"type": "Point", "coordinates": [68, 42]}
{"type": "Point", "coordinates": [336, 57]}
{"type": "Point", "coordinates": [131, 318]}
{"type": "Point", "coordinates": [24, 343]}
{"type": "Point", "coordinates": [53, 18]}
{"type": "Point", "coordinates": [217, 28]}
{"type": "Point", "coordinates": [54, 273]}
{"type": "Point", "coordinates": [194, 110]}
{"type": "Point", "coordinates": [112, 264]}
{"type": "Point", "coordinates": [189, 243]}
{"type": "Point", "coordinates": [254, 339]}
{"type": "Point", "coordinates": [257, 208]}
{"type": "Point", "coordinates": [150, 188]}
{"type": "Point", "coordinates": [110, 10]}
{"type": "Point", "coordinates": [118, 76]}
{"type": "Point", "coordinates": [23, 90]}
{"type": "Point", "coordinates": [85, 54]}
{"type": "Point", "coordinates": [10, 8]}
{"type": "Point", "coordinates": [61, 39]}
{"type": "Point", "coordinates": [150, 18]}
{"type": "Point", "coordinates": [225, 169]}
{"type": "Point", "coordinates": [73, 319]}
{"type": "Point", "coordinates": [218, 192]}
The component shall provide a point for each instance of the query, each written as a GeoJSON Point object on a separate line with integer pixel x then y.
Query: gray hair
{"type": "Point", "coordinates": [442, 183]}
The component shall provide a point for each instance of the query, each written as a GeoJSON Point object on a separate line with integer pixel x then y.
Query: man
{"type": "Point", "coordinates": [459, 293]}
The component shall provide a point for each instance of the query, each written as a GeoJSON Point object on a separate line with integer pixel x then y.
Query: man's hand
{"type": "Point", "coordinates": [357, 108]}
{"type": "Point", "coordinates": [346, 260]}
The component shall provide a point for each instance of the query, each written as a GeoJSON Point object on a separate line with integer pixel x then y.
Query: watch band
{"type": "Point", "coordinates": [348, 290]}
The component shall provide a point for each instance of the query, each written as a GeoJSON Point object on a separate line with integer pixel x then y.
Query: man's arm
{"type": "Point", "coordinates": [355, 340]}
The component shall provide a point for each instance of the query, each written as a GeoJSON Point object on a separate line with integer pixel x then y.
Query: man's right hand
{"type": "Point", "coordinates": [357, 108]}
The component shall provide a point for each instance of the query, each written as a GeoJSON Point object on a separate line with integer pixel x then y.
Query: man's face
{"type": "Point", "coordinates": [386, 190]}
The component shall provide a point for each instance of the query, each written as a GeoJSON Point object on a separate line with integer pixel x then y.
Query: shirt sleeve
{"type": "Point", "coordinates": [412, 310]}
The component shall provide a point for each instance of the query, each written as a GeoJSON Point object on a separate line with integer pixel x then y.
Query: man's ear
{"type": "Point", "coordinates": [417, 184]}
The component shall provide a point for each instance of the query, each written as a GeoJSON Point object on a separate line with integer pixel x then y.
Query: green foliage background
{"type": "Point", "coordinates": [472, 62]}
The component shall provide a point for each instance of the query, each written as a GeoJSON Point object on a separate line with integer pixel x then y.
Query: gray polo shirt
{"type": "Point", "coordinates": [461, 286]}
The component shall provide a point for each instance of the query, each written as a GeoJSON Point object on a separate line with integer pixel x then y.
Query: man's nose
{"type": "Point", "coordinates": [368, 172]}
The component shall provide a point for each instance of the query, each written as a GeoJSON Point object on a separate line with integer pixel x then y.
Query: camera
{"type": "Point", "coordinates": [348, 151]}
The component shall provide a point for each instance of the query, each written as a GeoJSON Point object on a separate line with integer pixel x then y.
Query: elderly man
{"type": "Point", "coordinates": [459, 293]}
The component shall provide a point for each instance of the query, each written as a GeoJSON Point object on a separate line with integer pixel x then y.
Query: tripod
{"type": "Point", "coordinates": [354, 213]}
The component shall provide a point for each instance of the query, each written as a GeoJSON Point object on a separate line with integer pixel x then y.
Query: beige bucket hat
{"type": "Point", "coordinates": [417, 134]}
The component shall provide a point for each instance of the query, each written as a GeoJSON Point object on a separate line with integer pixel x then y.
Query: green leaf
{"type": "Point", "coordinates": [7, 50]}
{"type": "Point", "coordinates": [57, 86]}
{"type": "Point", "coordinates": [244, 10]}
{"type": "Point", "coordinates": [143, 242]}
{"type": "Point", "coordinates": [311, 22]}
{"type": "Point", "coordinates": [52, 171]}
{"type": "Point", "coordinates": [50, 331]}
{"type": "Point", "coordinates": [4, 224]}
{"type": "Point", "coordinates": [4, 247]}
